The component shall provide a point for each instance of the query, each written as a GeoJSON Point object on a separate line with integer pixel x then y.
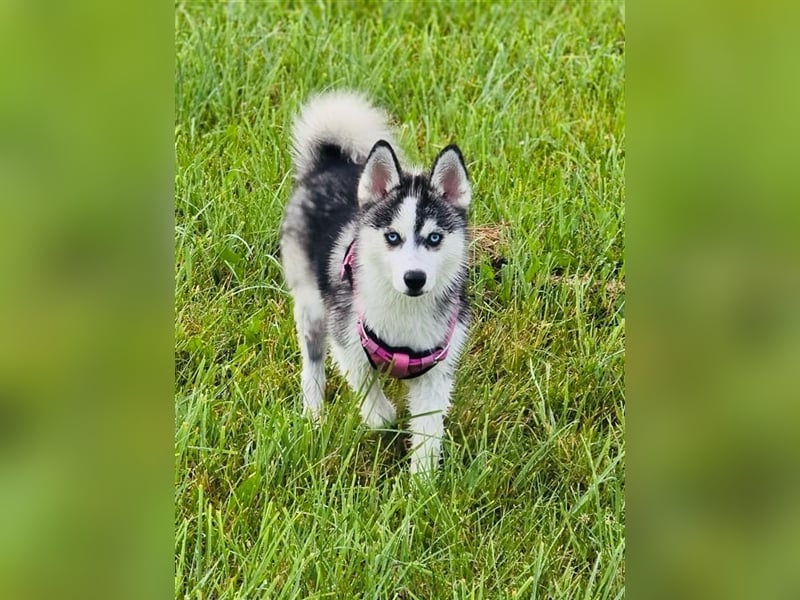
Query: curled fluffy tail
{"type": "Point", "coordinates": [343, 119]}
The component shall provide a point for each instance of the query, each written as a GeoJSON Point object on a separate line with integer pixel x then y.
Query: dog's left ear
{"type": "Point", "coordinates": [449, 177]}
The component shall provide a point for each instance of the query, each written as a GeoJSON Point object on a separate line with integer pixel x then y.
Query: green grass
{"type": "Point", "coordinates": [530, 498]}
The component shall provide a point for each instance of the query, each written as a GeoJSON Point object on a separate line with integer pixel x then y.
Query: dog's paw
{"type": "Point", "coordinates": [378, 413]}
{"type": "Point", "coordinates": [422, 466]}
{"type": "Point", "coordinates": [424, 457]}
{"type": "Point", "coordinates": [313, 413]}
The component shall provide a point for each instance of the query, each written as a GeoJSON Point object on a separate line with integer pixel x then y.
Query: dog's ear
{"type": "Point", "coordinates": [449, 177]}
{"type": "Point", "coordinates": [381, 173]}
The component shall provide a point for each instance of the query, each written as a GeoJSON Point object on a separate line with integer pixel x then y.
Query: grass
{"type": "Point", "coordinates": [530, 498]}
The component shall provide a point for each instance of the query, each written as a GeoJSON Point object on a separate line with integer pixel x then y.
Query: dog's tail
{"type": "Point", "coordinates": [344, 120]}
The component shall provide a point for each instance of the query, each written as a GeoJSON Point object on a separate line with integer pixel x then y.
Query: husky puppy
{"type": "Point", "coordinates": [375, 256]}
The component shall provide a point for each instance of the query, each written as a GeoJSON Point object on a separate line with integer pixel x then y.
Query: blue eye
{"type": "Point", "coordinates": [434, 239]}
{"type": "Point", "coordinates": [393, 238]}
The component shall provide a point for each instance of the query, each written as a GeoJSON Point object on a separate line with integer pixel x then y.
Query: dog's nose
{"type": "Point", "coordinates": [415, 280]}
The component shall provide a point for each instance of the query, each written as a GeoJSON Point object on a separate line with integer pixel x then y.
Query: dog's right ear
{"type": "Point", "coordinates": [381, 173]}
{"type": "Point", "coordinates": [449, 177]}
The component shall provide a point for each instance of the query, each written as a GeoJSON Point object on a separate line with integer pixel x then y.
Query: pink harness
{"type": "Point", "coordinates": [400, 363]}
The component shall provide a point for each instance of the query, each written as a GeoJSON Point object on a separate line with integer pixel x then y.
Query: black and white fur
{"type": "Point", "coordinates": [349, 185]}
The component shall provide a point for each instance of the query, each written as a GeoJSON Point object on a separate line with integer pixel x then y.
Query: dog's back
{"type": "Point", "coordinates": [331, 138]}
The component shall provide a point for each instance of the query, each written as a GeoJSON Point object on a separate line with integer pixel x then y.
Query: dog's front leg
{"type": "Point", "coordinates": [428, 402]}
{"type": "Point", "coordinates": [376, 410]}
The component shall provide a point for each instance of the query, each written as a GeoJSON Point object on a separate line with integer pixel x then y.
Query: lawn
{"type": "Point", "coordinates": [530, 498]}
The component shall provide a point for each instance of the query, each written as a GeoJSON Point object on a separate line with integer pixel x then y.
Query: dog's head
{"type": "Point", "coordinates": [412, 231]}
